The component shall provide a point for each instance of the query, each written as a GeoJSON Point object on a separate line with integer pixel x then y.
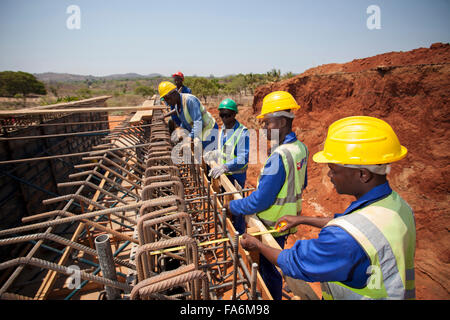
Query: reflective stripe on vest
{"type": "Point", "coordinates": [386, 232]}
{"type": "Point", "coordinates": [208, 121]}
{"type": "Point", "coordinates": [289, 199]}
{"type": "Point", "coordinates": [223, 156]}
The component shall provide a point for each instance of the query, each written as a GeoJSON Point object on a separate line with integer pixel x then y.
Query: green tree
{"type": "Point", "coordinates": [288, 75]}
{"type": "Point", "coordinates": [274, 75]}
{"type": "Point", "coordinates": [145, 91]}
{"type": "Point", "coordinates": [13, 83]}
{"type": "Point", "coordinates": [203, 87]}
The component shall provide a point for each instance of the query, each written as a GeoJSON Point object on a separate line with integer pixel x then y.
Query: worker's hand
{"type": "Point", "coordinates": [226, 205]}
{"type": "Point", "coordinates": [287, 222]}
{"type": "Point", "coordinates": [177, 135]}
{"type": "Point", "coordinates": [249, 242]}
{"type": "Point", "coordinates": [216, 172]}
{"type": "Point", "coordinates": [211, 156]}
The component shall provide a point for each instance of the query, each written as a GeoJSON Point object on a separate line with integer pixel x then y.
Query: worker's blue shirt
{"type": "Point", "coordinates": [185, 89]}
{"type": "Point", "coordinates": [270, 183]}
{"type": "Point", "coordinates": [193, 106]}
{"type": "Point", "coordinates": [175, 118]}
{"type": "Point", "coordinates": [335, 255]}
{"type": "Point", "coordinates": [241, 151]}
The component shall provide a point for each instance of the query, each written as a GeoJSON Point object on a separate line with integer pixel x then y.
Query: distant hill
{"type": "Point", "coordinates": [66, 77]}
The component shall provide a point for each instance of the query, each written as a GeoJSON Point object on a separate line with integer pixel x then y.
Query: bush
{"type": "Point", "coordinates": [145, 91]}
{"type": "Point", "coordinates": [13, 83]}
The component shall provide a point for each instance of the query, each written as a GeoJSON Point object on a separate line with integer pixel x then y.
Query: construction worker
{"type": "Point", "coordinates": [367, 252]}
{"type": "Point", "coordinates": [233, 152]}
{"type": "Point", "coordinates": [194, 117]}
{"type": "Point", "coordinates": [178, 78]}
{"type": "Point", "coordinates": [281, 182]}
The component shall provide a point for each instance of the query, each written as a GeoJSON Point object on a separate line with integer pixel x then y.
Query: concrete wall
{"type": "Point", "coordinates": [23, 186]}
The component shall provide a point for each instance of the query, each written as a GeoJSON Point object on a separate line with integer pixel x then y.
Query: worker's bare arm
{"type": "Point", "coordinates": [168, 114]}
{"type": "Point", "coordinates": [293, 221]}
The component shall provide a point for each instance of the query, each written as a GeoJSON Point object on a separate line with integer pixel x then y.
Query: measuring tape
{"type": "Point", "coordinates": [202, 244]}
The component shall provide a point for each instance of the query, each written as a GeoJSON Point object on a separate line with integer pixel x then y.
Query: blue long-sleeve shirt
{"type": "Point", "coordinates": [241, 151]}
{"type": "Point", "coordinates": [270, 183]}
{"type": "Point", "coordinates": [175, 118]}
{"type": "Point", "coordinates": [335, 255]}
{"type": "Point", "coordinates": [193, 106]}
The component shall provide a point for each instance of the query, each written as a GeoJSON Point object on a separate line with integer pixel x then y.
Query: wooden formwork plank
{"type": "Point", "coordinates": [299, 287]}
{"type": "Point", "coordinates": [141, 115]}
{"type": "Point", "coordinates": [214, 187]}
{"type": "Point", "coordinates": [12, 113]}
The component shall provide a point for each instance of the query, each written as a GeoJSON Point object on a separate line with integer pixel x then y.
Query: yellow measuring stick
{"type": "Point", "coordinates": [202, 244]}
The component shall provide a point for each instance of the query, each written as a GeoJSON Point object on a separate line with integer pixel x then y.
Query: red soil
{"type": "Point", "coordinates": [409, 90]}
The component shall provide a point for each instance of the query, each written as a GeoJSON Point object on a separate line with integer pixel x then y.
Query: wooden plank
{"type": "Point", "coordinates": [299, 287]}
{"type": "Point", "coordinates": [261, 286]}
{"type": "Point", "coordinates": [143, 115]}
{"type": "Point", "coordinates": [24, 112]}
{"type": "Point", "coordinates": [71, 103]}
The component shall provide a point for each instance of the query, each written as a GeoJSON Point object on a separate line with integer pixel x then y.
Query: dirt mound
{"type": "Point", "coordinates": [409, 90]}
{"type": "Point", "coordinates": [436, 54]}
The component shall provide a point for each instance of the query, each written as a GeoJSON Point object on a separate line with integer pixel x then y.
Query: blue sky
{"type": "Point", "coordinates": [209, 37]}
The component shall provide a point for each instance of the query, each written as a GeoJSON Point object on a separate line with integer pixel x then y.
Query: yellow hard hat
{"type": "Point", "coordinates": [277, 101]}
{"type": "Point", "coordinates": [361, 140]}
{"type": "Point", "coordinates": [165, 87]}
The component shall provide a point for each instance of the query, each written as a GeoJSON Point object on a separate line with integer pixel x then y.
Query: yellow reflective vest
{"type": "Point", "coordinates": [386, 231]}
{"type": "Point", "coordinates": [289, 200]}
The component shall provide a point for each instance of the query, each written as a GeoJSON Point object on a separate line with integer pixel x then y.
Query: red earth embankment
{"type": "Point", "coordinates": [409, 90]}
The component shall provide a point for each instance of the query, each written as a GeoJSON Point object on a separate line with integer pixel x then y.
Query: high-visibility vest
{"type": "Point", "coordinates": [208, 121]}
{"type": "Point", "coordinates": [386, 231]}
{"type": "Point", "coordinates": [230, 147]}
{"type": "Point", "coordinates": [289, 199]}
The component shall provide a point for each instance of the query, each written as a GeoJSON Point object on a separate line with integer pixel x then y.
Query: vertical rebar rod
{"type": "Point", "coordinates": [208, 216]}
{"type": "Point", "coordinates": [253, 281]}
{"type": "Point", "coordinates": [224, 234]}
{"type": "Point", "coordinates": [235, 264]}
{"type": "Point", "coordinates": [215, 214]}
{"type": "Point", "coordinates": [106, 262]}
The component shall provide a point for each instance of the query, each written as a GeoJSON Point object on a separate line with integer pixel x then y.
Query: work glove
{"type": "Point", "coordinates": [211, 156]}
{"type": "Point", "coordinates": [177, 135]}
{"type": "Point", "coordinates": [216, 172]}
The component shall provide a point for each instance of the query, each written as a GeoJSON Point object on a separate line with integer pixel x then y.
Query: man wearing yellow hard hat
{"type": "Point", "coordinates": [367, 252]}
{"type": "Point", "coordinates": [281, 182]}
{"type": "Point", "coordinates": [194, 117]}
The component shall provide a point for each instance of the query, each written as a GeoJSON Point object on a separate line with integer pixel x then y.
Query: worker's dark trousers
{"type": "Point", "coordinates": [272, 278]}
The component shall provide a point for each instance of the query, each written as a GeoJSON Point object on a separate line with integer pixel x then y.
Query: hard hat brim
{"type": "Point", "coordinates": [228, 108]}
{"type": "Point", "coordinates": [320, 157]}
{"type": "Point", "coordinates": [161, 97]}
